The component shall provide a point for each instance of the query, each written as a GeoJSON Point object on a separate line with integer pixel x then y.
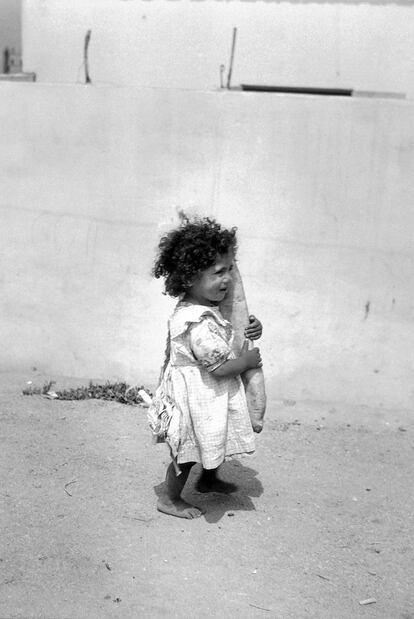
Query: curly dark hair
{"type": "Point", "coordinates": [188, 250]}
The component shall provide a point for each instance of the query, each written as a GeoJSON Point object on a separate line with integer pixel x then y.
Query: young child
{"type": "Point", "coordinates": [201, 381]}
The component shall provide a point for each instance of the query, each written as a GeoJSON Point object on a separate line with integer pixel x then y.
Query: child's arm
{"type": "Point", "coordinates": [233, 367]}
{"type": "Point", "coordinates": [254, 330]}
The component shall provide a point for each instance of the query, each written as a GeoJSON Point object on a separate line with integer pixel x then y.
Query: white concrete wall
{"type": "Point", "coordinates": [365, 46]}
{"type": "Point", "coordinates": [322, 192]}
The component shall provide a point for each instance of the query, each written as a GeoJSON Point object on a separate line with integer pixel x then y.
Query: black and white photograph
{"type": "Point", "coordinates": [206, 309]}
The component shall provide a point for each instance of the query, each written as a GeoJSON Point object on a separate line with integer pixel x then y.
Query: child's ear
{"type": "Point", "coordinates": [192, 280]}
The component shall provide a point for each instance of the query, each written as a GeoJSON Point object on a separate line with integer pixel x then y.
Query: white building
{"type": "Point", "coordinates": [365, 46]}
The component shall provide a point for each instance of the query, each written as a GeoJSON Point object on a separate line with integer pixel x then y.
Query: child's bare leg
{"type": "Point", "coordinates": [171, 502]}
{"type": "Point", "coordinates": [209, 482]}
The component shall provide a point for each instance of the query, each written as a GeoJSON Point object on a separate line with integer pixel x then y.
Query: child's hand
{"type": "Point", "coordinates": [253, 359]}
{"type": "Point", "coordinates": [254, 330]}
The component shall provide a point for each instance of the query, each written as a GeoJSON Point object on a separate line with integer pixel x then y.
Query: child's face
{"type": "Point", "coordinates": [211, 287]}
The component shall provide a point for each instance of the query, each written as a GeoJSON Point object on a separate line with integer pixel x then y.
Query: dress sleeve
{"type": "Point", "coordinates": [207, 344]}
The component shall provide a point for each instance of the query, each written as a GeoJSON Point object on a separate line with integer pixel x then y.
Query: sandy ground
{"type": "Point", "coordinates": [323, 518]}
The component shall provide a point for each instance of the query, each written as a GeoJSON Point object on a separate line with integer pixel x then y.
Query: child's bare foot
{"type": "Point", "coordinates": [216, 485]}
{"type": "Point", "coordinates": [178, 508]}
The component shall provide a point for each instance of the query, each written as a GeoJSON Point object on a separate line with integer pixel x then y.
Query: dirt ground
{"type": "Point", "coordinates": [323, 518]}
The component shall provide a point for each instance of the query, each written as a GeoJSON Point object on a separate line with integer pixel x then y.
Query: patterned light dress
{"type": "Point", "coordinates": [214, 422]}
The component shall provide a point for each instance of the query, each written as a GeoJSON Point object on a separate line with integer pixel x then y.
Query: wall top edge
{"type": "Point", "coordinates": [371, 97]}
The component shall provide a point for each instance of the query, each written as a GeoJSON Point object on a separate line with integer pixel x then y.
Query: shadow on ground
{"type": "Point", "coordinates": [214, 505]}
